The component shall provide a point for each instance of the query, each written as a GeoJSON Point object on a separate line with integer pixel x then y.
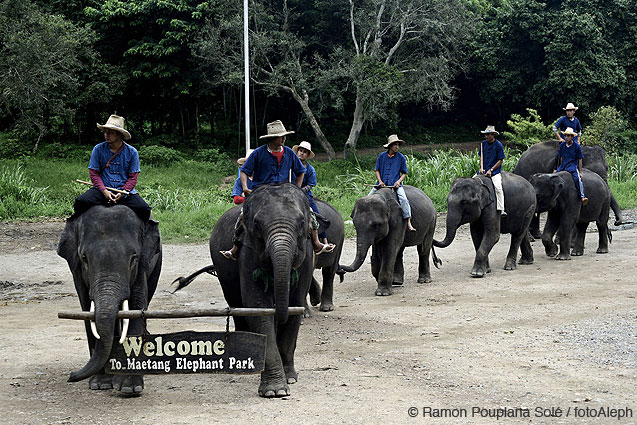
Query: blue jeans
{"type": "Point", "coordinates": [578, 183]}
{"type": "Point", "coordinates": [402, 200]}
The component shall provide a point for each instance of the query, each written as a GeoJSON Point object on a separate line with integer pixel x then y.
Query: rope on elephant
{"type": "Point", "coordinates": [260, 274]}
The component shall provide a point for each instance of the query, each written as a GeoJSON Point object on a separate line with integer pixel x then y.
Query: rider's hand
{"type": "Point", "coordinates": [396, 185]}
{"type": "Point", "coordinates": [246, 191]}
{"type": "Point", "coordinates": [110, 197]}
{"type": "Point", "coordinates": [381, 184]}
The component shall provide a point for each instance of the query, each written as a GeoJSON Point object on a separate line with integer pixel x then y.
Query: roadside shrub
{"type": "Point", "coordinates": [527, 131]}
{"type": "Point", "coordinates": [10, 146]}
{"type": "Point", "coordinates": [158, 155]}
{"type": "Point", "coordinates": [605, 129]}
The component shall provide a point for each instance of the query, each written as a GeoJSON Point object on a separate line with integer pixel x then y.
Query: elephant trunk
{"type": "Point", "coordinates": [107, 302]}
{"type": "Point", "coordinates": [452, 226]}
{"type": "Point", "coordinates": [280, 251]}
{"type": "Point", "coordinates": [361, 253]}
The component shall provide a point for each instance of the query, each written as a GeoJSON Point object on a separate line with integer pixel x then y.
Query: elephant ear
{"type": "Point", "coordinates": [67, 247]}
{"type": "Point", "coordinates": [151, 243]}
{"type": "Point", "coordinates": [487, 194]}
{"type": "Point", "coordinates": [557, 184]}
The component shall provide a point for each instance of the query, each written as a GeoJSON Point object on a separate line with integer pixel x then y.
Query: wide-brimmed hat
{"type": "Point", "coordinates": [570, 106]}
{"type": "Point", "coordinates": [570, 131]}
{"type": "Point", "coordinates": [115, 122]}
{"type": "Point", "coordinates": [305, 145]}
{"type": "Point", "coordinates": [489, 130]}
{"type": "Point", "coordinates": [276, 129]}
{"type": "Point", "coordinates": [242, 160]}
{"type": "Point", "coordinates": [393, 139]}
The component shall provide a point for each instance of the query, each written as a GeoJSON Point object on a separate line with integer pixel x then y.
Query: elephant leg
{"type": "Point", "coordinates": [534, 227]}
{"type": "Point", "coordinates": [483, 244]}
{"type": "Point", "coordinates": [564, 232]}
{"type": "Point", "coordinates": [424, 271]}
{"type": "Point", "coordinates": [550, 228]}
{"type": "Point", "coordinates": [386, 270]}
{"type": "Point", "coordinates": [399, 270]}
{"type": "Point", "coordinates": [527, 250]}
{"type": "Point", "coordinates": [287, 334]}
{"type": "Point", "coordinates": [273, 380]}
{"type": "Point", "coordinates": [315, 292]}
{"type": "Point", "coordinates": [580, 236]}
{"type": "Point", "coordinates": [516, 240]}
{"type": "Point", "coordinates": [328, 288]}
{"type": "Point", "coordinates": [602, 230]}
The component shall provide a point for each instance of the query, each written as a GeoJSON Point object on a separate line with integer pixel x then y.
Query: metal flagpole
{"type": "Point", "coordinates": [246, 90]}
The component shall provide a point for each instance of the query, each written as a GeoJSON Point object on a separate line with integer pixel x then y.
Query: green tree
{"type": "Point", "coordinates": [40, 64]}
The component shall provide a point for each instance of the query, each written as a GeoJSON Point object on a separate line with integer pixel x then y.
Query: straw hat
{"type": "Point", "coordinates": [242, 161]}
{"type": "Point", "coordinates": [115, 122]}
{"type": "Point", "coordinates": [305, 145]}
{"type": "Point", "coordinates": [393, 139]}
{"type": "Point", "coordinates": [570, 106]}
{"type": "Point", "coordinates": [489, 130]}
{"type": "Point", "coordinates": [570, 131]}
{"type": "Point", "coordinates": [276, 129]}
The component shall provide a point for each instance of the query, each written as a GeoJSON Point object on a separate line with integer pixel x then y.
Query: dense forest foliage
{"type": "Point", "coordinates": [342, 73]}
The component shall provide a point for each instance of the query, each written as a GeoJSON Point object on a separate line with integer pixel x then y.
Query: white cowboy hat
{"type": "Point", "coordinates": [242, 160]}
{"type": "Point", "coordinates": [115, 122]}
{"type": "Point", "coordinates": [305, 145]}
{"type": "Point", "coordinates": [570, 106]}
{"type": "Point", "coordinates": [489, 130]}
{"type": "Point", "coordinates": [393, 139]}
{"type": "Point", "coordinates": [276, 129]}
{"type": "Point", "coordinates": [570, 131]}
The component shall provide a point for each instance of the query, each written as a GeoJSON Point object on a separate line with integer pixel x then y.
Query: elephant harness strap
{"type": "Point", "coordinates": [260, 274]}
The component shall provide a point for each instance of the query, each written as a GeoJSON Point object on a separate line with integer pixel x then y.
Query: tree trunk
{"type": "Point", "coordinates": [304, 103]}
{"type": "Point", "coordinates": [355, 131]}
{"type": "Point", "coordinates": [37, 142]}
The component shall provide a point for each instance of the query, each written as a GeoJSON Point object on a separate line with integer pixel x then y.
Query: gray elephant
{"type": "Point", "coordinates": [540, 158]}
{"type": "Point", "coordinates": [328, 262]}
{"type": "Point", "coordinates": [472, 200]}
{"type": "Point", "coordinates": [274, 270]}
{"type": "Point", "coordinates": [115, 259]}
{"type": "Point", "coordinates": [557, 194]}
{"type": "Point", "coordinates": [379, 223]}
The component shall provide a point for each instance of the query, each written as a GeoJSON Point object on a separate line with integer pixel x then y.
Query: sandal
{"type": "Point", "coordinates": [228, 255]}
{"type": "Point", "coordinates": [327, 247]}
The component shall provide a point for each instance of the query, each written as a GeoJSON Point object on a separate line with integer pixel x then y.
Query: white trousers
{"type": "Point", "coordinates": [499, 193]}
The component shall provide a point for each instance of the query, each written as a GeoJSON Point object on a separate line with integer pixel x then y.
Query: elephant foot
{"type": "Point", "coordinates": [536, 234]}
{"type": "Point", "coordinates": [382, 291]}
{"type": "Point", "coordinates": [424, 279]}
{"type": "Point", "coordinates": [577, 252]}
{"type": "Point", "coordinates": [476, 272]}
{"type": "Point", "coordinates": [563, 256]}
{"type": "Point", "coordinates": [510, 265]}
{"type": "Point", "coordinates": [525, 261]}
{"type": "Point", "coordinates": [395, 283]}
{"type": "Point", "coordinates": [601, 250]}
{"type": "Point", "coordinates": [307, 313]}
{"type": "Point", "coordinates": [129, 384]}
{"type": "Point", "coordinates": [290, 375]}
{"type": "Point", "coordinates": [551, 252]}
{"type": "Point", "coordinates": [271, 390]}
{"type": "Point", "coordinates": [327, 306]}
{"type": "Point", "coordinates": [314, 299]}
{"type": "Point", "coordinates": [101, 382]}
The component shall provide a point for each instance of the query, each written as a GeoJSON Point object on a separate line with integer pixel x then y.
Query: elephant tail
{"type": "Point", "coordinates": [185, 281]}
{"type": "Point", "coordinates": [610, 235]}
{"type": "Point", "coordinates": [341, 273]}
{"type": "Point", "coordinates": [437, 261]}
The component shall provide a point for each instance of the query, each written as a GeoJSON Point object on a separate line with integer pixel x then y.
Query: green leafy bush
{"type": "Point", "coordinates": [529, 130]}
{"type": "Point", "coordinates": [65, 151]}
{"type": "Point", "coordinates": [605, 129]}
{"type": "Point", "coordinates": [158, 155]}
{"type": "Point", "coordinates": [10, 146]}
{"type": "Point", "coordinates": [17, 193]}
{"type": "Point", "coordinates": [622, 168]}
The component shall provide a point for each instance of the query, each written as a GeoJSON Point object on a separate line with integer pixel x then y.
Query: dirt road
{"type": "Point", "coordinates": [546, 336]}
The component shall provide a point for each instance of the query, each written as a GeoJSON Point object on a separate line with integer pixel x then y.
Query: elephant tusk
{"type": "Point", "coordinates": [125, 321]}
{"type": "Point", "coordinates": [93, 327]}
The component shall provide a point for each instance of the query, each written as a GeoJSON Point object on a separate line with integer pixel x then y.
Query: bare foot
{"type": "Point", "coordinates": [328, 247]}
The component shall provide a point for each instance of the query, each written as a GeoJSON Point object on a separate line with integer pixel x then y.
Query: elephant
{"type": "Point", "coordinates": [328, 262]}
{"type": "Point", "coordinates": [557, 194]}
{"type": "Point", "coordinates": [273, 270]}
{"type": "Point", "coordinates": [540, 158]}
{"type": "Point", "coordinates": [472, 200]}
{"type": "Point", "coordinates": [115, 259]}
{"type": "Point", "coordinates": [379, 223]}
